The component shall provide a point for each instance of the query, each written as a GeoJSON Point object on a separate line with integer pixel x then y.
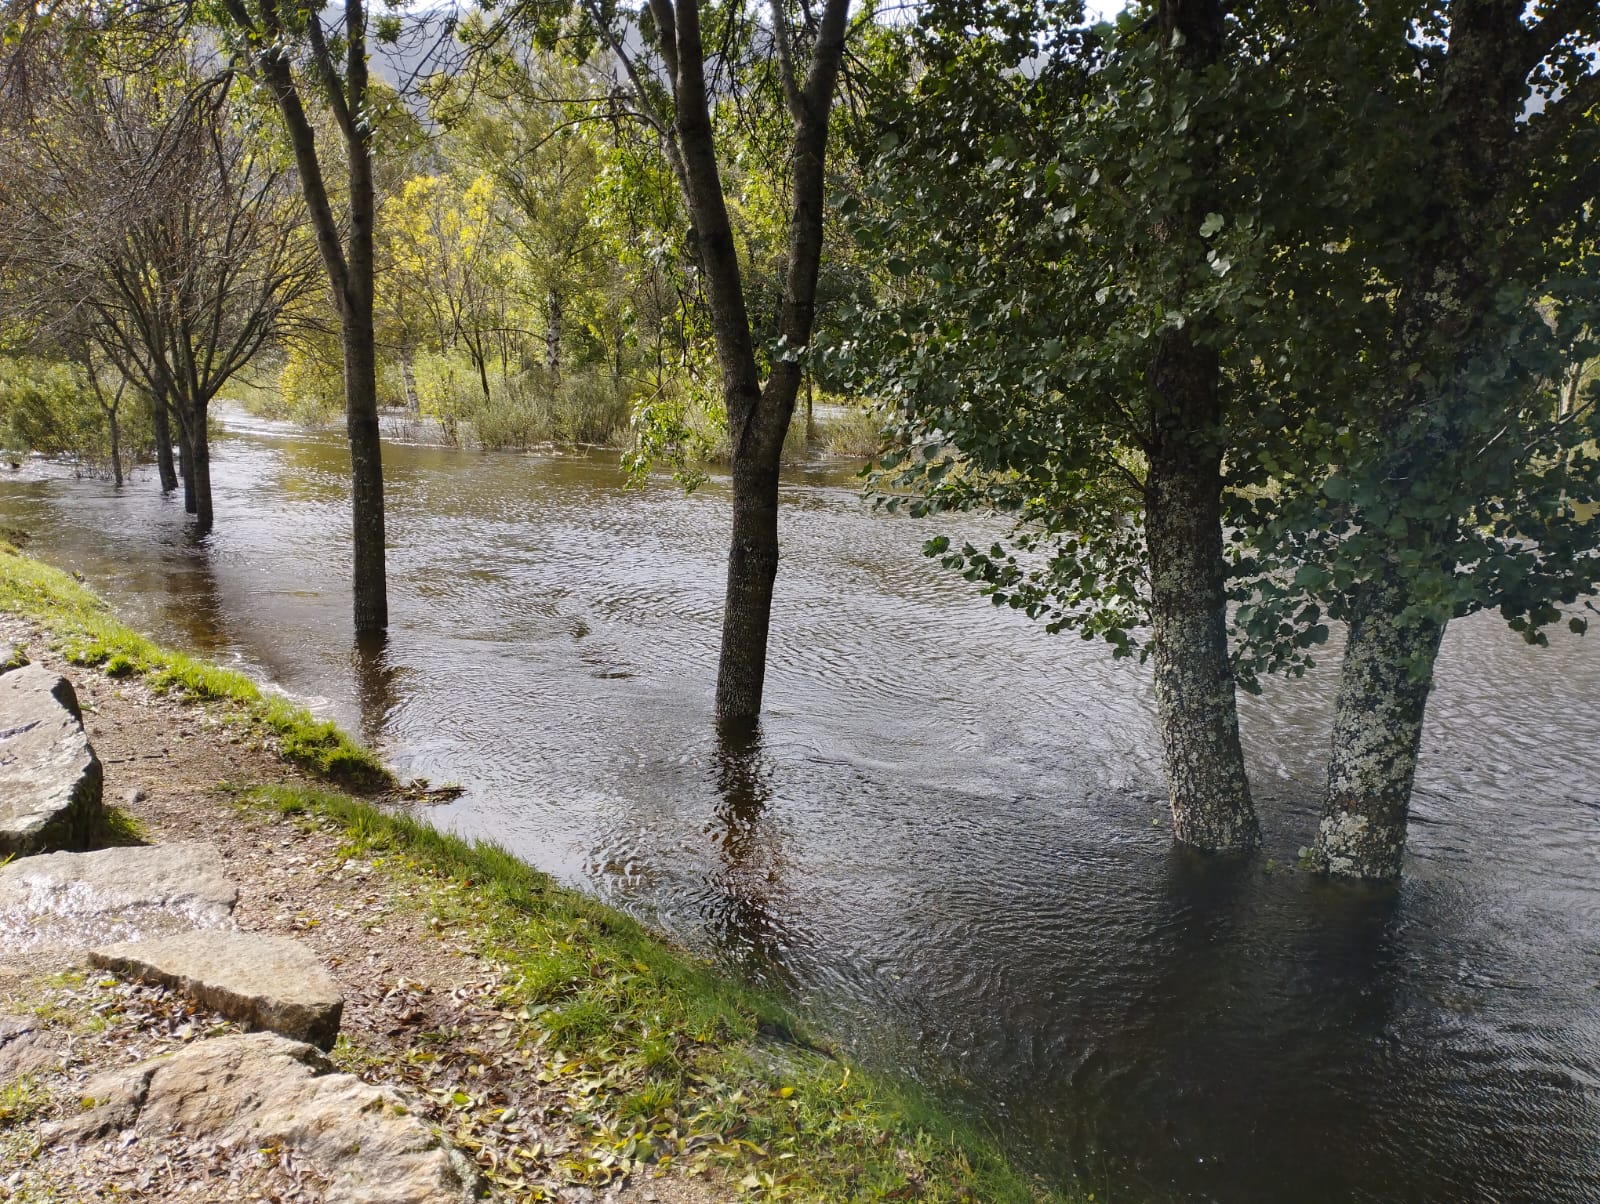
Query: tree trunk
{"type": "Point", "coordinates": [552, 333]}
{"type": "Point", "coordinates": [200, 469]}
{"type": "Point", "coordinates": [116, 448]}
{"type": "Point", "coordinates": [1384, 684]}
{"type": "Point", "coordinates": [747, 607]}
{"type": "Point", "coordinates": [186, 465]}
{"type": "Point", "coordinates": [161, 420]}
{"type": "Point", "coordinates": [758, 417]}
{"type": "Point", "coordinates": [480, 361]}
{"type": "Point", "coordinates": [1196, 709]}
{"type": "Point", "coordinates": [366, 478]}
{"type": "Point", "coordinates": [350, 269]}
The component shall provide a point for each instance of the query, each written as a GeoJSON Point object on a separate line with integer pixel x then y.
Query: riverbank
{"type": "Point", "coordinates": [570, 1052]}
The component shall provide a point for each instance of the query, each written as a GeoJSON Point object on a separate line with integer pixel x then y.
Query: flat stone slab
{"type": "Point", "coordinates": [67, 901]}
{"type": "Point", "coordinates": [50, 779]}
{"type": "Point", "coordinates": [261, 981]}
{"type": "Point", "coordinates": [260, 1090]}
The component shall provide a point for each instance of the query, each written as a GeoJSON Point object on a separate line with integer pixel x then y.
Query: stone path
{"type": "Point", "coordinates": [260, 1090]}
{"type": "Point", "coordinates": [261, 981]}
{"type": "Point", "coordinates": [163, 915]}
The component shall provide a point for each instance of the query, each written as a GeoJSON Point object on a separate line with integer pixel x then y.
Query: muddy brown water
{"type": "Point", "coordinates": [947, 842]}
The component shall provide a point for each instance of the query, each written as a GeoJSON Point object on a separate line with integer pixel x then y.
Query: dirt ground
{"type": "Point", "coordinates": [420, 1010]}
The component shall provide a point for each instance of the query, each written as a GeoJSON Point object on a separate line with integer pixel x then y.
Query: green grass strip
{"type": "Point", "coordinates": [86, 633]}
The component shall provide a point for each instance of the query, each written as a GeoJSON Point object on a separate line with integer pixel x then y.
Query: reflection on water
{"type": "Point", "coordinates": [947, 835]}
{"type": "Point", "coordinates": [748, 891]}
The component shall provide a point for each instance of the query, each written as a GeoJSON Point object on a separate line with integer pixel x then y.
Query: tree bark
{"type": "Point", "coordinates": [747, 606]}
{"type": "Point", "coordinates": [200, 469]}
{"type": "Point", "coordinates": [366, 475]}
{"type": "Point", "coordinates": [552, 332]}
{"type": "Point", "coordinates": [161, 420]}
{"type": "Point", "coordinates": [186, 465]}
{"type": "Point", "coordinates": [116, 447]}
{"type": "Point", "coordinates": [370, 583]}
{"type": "Point", "coordinates": [1196, 708]}
{"type": "Point", "coordinates": [1384, 684]}
{"type": "Point", "coordinates": [408, 380]}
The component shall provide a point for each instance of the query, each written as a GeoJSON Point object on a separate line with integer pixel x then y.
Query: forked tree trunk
{"type": "Point", "coordinates": [758, 416]}
{"type": "Point", "coordinates": [1196, 708]}
{"type": "Point", "coordinates": [1384, 684]}
{"type": "Point", "coordinates": [161, 421]}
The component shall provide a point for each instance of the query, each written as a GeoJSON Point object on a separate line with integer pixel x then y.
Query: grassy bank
{"type": "Point", "coordinates": [659, 1059]}
{"type": "Point", "coordinates": [88, 634]}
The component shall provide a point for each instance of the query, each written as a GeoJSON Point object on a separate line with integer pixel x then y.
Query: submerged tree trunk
{"type": "Point", "coordinates": [200, 469]}
{"type": "Point", "coordinates": [349, 262]}
{"type": "Point", "coordinates": [1196, 707]}
{"type": "Point", "coordinates": [366, 474]}
{"type": "Point", "coordinates": [758, 416]}
{"type": "Point", "coordinates": [116, 447]}
{"type": "Point", "coordinates": [186, 465]}
{"type": "Point", "coordinates": [161, 421]}
{"type": "Point", "coordinates": [1384, 684]}
{"type": "Point", "coordinates": [747, 605]}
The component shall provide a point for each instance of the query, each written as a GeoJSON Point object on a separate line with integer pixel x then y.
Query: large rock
{"type": "Point", "coordinates": [50, 778]}
{"type": "Point", "coordinates": [261, 1090]}
{"type": "Point", "coordinates": [261, 981]}
{"type": "Point", "coordinates": [81, 900]}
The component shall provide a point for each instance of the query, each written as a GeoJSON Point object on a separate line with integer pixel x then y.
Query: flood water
{"type": "Point", "coordinates": [947, 843]}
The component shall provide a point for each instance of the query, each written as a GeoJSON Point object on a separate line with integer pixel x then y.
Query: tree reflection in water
{"type": "Point", "coordinates": [746, 918]}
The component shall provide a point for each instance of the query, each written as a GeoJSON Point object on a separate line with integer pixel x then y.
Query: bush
{"type": "Point", "coordinates": [857, 435]}
{"type": "Point", "coordinates": [523, 409]}
{"type": "Point", "coordinates": [590, 407]}
{"type": "Point", "coordinates": [50, 408]}
{"type": "Point", "coordinates": [312, 383]}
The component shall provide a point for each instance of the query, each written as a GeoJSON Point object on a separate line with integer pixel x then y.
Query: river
{"type": "Point", "coordinates": [948, 843]}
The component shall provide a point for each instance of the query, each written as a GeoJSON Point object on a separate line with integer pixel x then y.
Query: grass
{"type": "Point", "coordinates": [86, 633]}
{"type": "Point", "coordinates": [20, 1101]}
{"type": "Point", "coordinates": [662, 1060]}
{"type": "Point", "coordinates": [668, 1061]}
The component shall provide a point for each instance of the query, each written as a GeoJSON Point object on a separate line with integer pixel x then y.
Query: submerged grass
{"type": "Point", "coordinates": [86, 633]}
{"type": "Point", "coordinates": [664, 1061]}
